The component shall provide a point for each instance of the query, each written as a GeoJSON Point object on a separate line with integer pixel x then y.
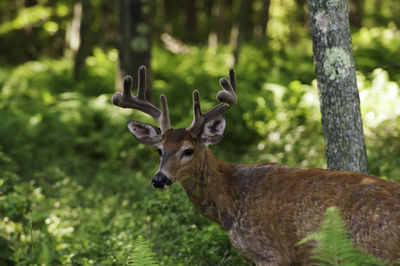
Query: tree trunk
{"type": "Point", "coordinates": [356, 13]}
{"type": "Point", "coordinates": [107, 27]}
{"type": "Point", "coordinates": [261, 20]}
{"type": "Point", "coordinates": [222, 20]}
{"type": "Point", "coordinates": [134, 40]}
{"type": "Point", "coordinates": [300, 13]}
{"type": "Point", "coordinates": [191, 21]}
{"type": "Point", "coordinates": [264, 21]}
{"type": "Point", "coordinates": [84, 37]}
{"type": "Point", "coordinates": [244, 28]}
{"type": "Point", "coordinates": [339, 99]}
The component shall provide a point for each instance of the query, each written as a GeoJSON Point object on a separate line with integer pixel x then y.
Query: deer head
{"type": "Point", "coordinates": [180, 150]}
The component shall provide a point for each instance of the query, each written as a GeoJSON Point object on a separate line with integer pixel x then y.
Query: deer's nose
{"type": "Point", "coordinates": [161, 181]}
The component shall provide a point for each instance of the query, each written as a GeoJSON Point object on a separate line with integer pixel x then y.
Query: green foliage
{"type": "Point", "coordinates": [142, 254]}
{"type": "Point", "coordinates": [183, 232]}
{"type": "Point", "coordinates": [17, 199]}
{"type": "Point", "coordinates": [75, 185]}
{"type": "Point", "coordinates": [335, 246]}
{"type": "Point", "coordinates": [378, 48]}
{"type": "Point", "coordinates": [26, 17]}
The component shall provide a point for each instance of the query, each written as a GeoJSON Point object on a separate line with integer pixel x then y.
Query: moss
{"type": "Point", "coordinates": [336, 62]}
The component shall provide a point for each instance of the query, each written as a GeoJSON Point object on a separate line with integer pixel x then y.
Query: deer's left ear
{"type": "Point", "coordinates": [213, 131]}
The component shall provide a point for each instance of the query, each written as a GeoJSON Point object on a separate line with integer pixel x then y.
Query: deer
{"type": "Point", "coordinates": [266, 208]}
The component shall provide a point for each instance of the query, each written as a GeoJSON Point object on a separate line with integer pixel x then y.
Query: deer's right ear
{"type": "Point", "coordinates": [145, 133]}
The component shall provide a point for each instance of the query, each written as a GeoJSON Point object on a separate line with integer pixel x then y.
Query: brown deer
{"type": "Point", "coordinates": [265, 208]}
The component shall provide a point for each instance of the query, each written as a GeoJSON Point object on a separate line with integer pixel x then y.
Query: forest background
{"type": "Point", "coordinates": [74, 184]}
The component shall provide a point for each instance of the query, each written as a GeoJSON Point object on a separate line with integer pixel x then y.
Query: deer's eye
{"type": "Point", "coordinates": [188, 152]}
{"type": "Point", "coordinates": [159, 151]}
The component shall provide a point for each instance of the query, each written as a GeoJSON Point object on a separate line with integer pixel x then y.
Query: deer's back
{"type": "Point", "coordinates": [284, 204]}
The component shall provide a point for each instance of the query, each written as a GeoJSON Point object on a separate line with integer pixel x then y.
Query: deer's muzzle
{"type": "Point", "coordinates": [161, 181]}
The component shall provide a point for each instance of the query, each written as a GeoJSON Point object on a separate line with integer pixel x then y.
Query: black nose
{"type": "Point", "coordinates": [160, 181]}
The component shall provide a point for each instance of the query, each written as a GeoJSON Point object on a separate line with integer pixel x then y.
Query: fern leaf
{"type": "Point", "coordinates": [142, 254]}
{"type": "Point", "coordinates": [336, 247]}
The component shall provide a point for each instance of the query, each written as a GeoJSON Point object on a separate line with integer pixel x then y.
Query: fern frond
{"type": "Point", "coordinates": [336, 247]}
{"type": "Point", "coordinates": [142, 254]}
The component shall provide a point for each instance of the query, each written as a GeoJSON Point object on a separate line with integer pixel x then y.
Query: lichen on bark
{"type": "Point", "coordinates": [322, 22]}
{"type": "Point", "coordinates": [333, 2]}
{"type": "Point", "coordinates": [336, 63]}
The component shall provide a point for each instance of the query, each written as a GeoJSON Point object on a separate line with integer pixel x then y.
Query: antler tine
{"type": "Point", "coordinates": [232, 78]}
{"type": "Point", "coordinates": [142, 83]}
{"type": "Point", "coordinates": [139, 102]}
{"type": "Point", "coordinates": [227, 97]}
{"type": "Point", "coordinates": [164, 121]}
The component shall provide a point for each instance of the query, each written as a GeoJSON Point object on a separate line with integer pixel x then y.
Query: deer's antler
{"type": "Point", "coordinates": [227, 97]}
{"type": "Point", "coordinates": [139, 102]}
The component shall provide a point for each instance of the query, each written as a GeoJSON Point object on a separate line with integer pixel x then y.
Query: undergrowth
{"type": "Point", "coordinates": [75, 186]}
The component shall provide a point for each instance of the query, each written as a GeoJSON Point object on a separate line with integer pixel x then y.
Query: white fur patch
{"type": "Point", "coordinates": [185, 159]}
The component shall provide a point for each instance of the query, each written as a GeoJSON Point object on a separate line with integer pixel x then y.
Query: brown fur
{"type": "Point", "coordinates": [267, 208]}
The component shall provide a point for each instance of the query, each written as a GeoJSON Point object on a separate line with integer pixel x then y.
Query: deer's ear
{"type": "Point", "coordinates": [145, 133]}
{"type": "Point", "coordinates": [213, 131]}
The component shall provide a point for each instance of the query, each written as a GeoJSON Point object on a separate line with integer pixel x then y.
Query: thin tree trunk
{"type": "Point", "coordinates": [264, 21]}
{"type": "Point", "coordinates": [222, 22]}
{"type": "Point", "coordinates": [108, 9]}
{"type": "Point", "coordinates": [72, 37]}
{"type": "Point", "coordinates": [356, 13]}
{"type": "Point", "coordinates": [301, 15]}
{"type": "Point", "coordinates": [84, 37]}
{"type": "Point", "coordinates": [243, 26]}
{"type": "Point", "coordinates": [261, 20]}
{"type": "Point", "coordinates": [191, 21]}
{"type": "Point", "coordinates": [339, 99]}
{"type": "Point", "coordinates": [134, 40]}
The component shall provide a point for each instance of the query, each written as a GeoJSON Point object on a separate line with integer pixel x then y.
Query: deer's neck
{"type": "Point", "coordinates": [212, 188]}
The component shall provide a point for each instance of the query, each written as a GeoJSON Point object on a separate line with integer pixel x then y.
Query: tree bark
{"type": "Point", "coordinates": [261, 18]}
{"type": "Point", "coordinates": [300, 14]}
{"type": "Point", "coordinates": [84, 37]}
{"type": "Point", "coordinates": [244, 28]}
{"type": "Point", "coordinates": [191, 21]}
{"type": "Point", "coordinates": [356, 13]}
{"type": "Point", "coordinates": [264, 21]}
{"type": "Point", "coordinates": [338, 93]}
{"type": "Point", "coordinates": [134, 40]}
{"type": "Point", "coordinates": [108, 11]}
